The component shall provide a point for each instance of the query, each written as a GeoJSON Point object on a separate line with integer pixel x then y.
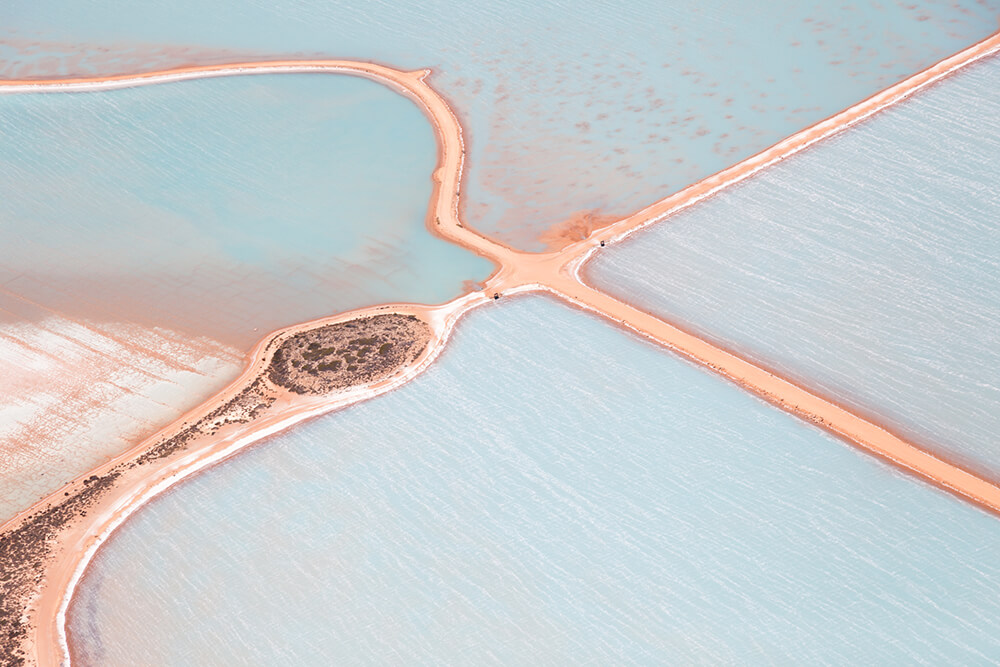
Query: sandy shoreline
{"type": "Point", "coordinates": [556, 272]}
{"type": "Point", "coordinates": [79, 542]}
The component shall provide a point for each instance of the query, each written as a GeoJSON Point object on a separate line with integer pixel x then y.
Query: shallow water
{"type": "Point", "coordinates": [151, 236]}
{"type": "Point", "coordinates": [75, 394]}
{"type": "Point", "coordinates": [603, 106]}
{"type": "Point", "coordinates": [223, 207]}
{"type": "Point", "coordinates": [867, 268]}
{"type": "Point", "coordinates": [551, 491]}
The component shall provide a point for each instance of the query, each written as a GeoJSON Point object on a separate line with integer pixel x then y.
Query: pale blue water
{"type": "Point", "coordinates": [595, 105]}
{"type": "Point", "coordinates": [223, 207]}
{"type": "Point", "coordinates": [551, 491]}
{"type": "Point", "coordinates": [867, 268]}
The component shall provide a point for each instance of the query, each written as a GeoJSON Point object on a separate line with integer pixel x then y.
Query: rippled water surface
{"type": "Point", "coordinates": [150, 236]}
{"type": "Point", "coordinates": [867, 267]}
{"type": "Point", "coordinates": [227, 207]}
{"type": "Point", "coordinates": [601, 106]}
{"type": "Point", "coordinates": [551, 491]}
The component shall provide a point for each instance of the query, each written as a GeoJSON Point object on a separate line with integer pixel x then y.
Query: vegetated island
{"type": "Point", "coordinates": [349, 353]}
{"type": "Point", "coordinates": [313, 362]}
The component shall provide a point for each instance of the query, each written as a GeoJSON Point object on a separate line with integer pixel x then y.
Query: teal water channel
{"type": "Point", "coordinates": [223, 208]}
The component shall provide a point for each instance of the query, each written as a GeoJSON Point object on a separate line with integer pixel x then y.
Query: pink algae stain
{"type": "Point", "coordinates": [469, 286]}
{"type": "Point", "coordinates": [576, 227]}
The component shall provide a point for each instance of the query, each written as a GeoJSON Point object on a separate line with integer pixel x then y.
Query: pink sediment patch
{"type": "Point", "coordinates": [576, 227]}
{"type": "Point", "coordinates": [74, 395]}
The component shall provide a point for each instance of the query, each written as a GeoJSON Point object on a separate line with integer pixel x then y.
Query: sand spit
{"type": "Point", "coordinates": [48, 549]}
{"type": "Point", "coordinates": [45, 552]}
{"type": "Point", "coordinates": [57, 371]}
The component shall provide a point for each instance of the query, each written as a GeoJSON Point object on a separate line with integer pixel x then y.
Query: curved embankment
{"type": "Point", "coordinates": [555, 272]}
{"type": "Point", "coordinates": [249, 409]}
{"type": "Point", "coordinates": [88, 509]}
{"type": "Point", "coordinates": [443, 217]}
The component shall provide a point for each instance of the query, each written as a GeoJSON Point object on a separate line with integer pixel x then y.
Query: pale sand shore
{"type": "Point", "coordinates": [79, 541]}
{"type": "Point", "coordinates": [555, 272]}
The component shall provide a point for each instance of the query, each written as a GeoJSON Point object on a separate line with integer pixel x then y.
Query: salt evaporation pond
{"type": "Point", "coordinates": [223, 207]}
{"type": "Point", "coordinates": [551, 491]}
{"type": "Point", "coordinates": [152, 235]}
{"type": "Point", "coordinates": [570, 107]}
{"type": "Point", "coordinates": [867, 268]}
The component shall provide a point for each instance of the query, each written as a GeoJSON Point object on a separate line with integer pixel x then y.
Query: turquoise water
{"type": "Point", "coordinates": [599, 105]}
{"type": "Point", "coordinates": [867, 268]}
{"type": "Point", "coordinates": [551, 491]}
{"type": "Point", "coordinates": [222, 207]}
